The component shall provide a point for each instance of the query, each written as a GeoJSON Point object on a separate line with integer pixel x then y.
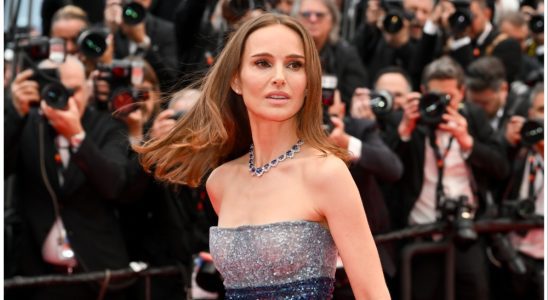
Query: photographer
{"type": "Point", "coordinates": [384, 38]}
{"type": "Point", "coordinates": [487, 87]}
{"type": "Point", "coordinates": [372, 163]}
{"type": "Point", "coordinates": [145, 35]}
{"type": "Point", "coordinates": [526, 183]}
{"type": "Point", "coordinates": [73, 158]}
{"type": "Point", "coordinates": [322, 18]}
{"type": "Point", "coordinates": [448, 151]}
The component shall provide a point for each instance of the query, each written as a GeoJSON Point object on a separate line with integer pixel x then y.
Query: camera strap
{"type": "Point", "coordinates": [440, 163]}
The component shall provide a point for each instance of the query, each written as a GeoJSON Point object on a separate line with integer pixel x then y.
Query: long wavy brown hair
{"type": "Point", "coordinates": [216, 129]}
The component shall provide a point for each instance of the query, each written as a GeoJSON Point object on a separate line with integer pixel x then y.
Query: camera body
{"type": "Point", "coordinates": [395, 15]}
{"type": "Point", "coordinates": [458, 212]}
{"type": "Point", "coordinates": [329, 84]}
{"type": "Point", "coordinates": [122, 76]}
{"type": "Point", "coordinates": [92, 41]}
{"type": "Point", "coordinates": [432, 106]}
{"type": "Point", "coordinates": [517, 209]}
{"type": "Point", "coordinates": [461, 18]}
{"type": "Point", "coordinates": [381, 102]}
{"type": "Point", "coordinates": [532, 132]}
{"type": "Point", "coordinates": [32, 50]}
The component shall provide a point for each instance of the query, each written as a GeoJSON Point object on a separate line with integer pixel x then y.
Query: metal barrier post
{"type": "Point", "coordinates": [411, 250]}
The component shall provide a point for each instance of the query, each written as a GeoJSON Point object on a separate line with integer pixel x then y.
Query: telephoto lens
{"type": "Point", "coordinates": [392, 22]}
{"type": "Point", "coordinates": [536, 24]}
{"type": "Point", "coordinates": [381, 102]}
{"type": "Point", "coordinates": [92, 42]}
{"type": "Point", "coordinates": [51, 89]}
{"type": "Point", "coordinates": [133, 13]}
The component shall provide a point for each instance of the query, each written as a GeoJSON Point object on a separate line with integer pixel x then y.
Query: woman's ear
{"type": "Point", "coordinates": [235, 85]}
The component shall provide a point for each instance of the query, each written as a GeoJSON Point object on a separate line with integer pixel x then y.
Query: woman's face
{"type": "Point", "coordinates": [272, 77]}
{"type": "Point", "coordinates": [317, 19]}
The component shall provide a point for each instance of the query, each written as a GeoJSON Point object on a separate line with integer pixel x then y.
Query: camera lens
{"type": "Point", "coordinates": [133, 13]}
{"type": "Point", "coordinates": [536, 24]}
{"type": "Point", "coordinates": [459, 21]}
{"type": "Point", "coordinates": [432, 107]}
{"type": "Point", "coordinates": [381, 102]}
{"type": "Point", "coordinates": [55, 95]}
{"type": "Point", "coordinates": [532, 132]}
{"type": "Point", "coordinates": [123, 101]}
{"type": "Point", "coordinates": [92, 43]}
{"type": "Point", "coordinates": [392, 23]}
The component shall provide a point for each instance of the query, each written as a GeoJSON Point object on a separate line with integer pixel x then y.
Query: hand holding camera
{"type": "Point", "coordinates": [24, 92]}
{"type": "Point", "coordinates": [411, 115]}
{"type": "Point", "coordinates": [163, 123]}
{"type": "Point", "coordinates": [361, 108]}
{"type": "Point", "coordinates": [513, 128]}
{"type": "Point", "coordinates": [457, 126]}
{"type": "Point", "coordinates": [65, 121]}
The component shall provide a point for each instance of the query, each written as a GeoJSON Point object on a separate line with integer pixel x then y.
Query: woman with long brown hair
{"type": "Point", "coordinates": [285, 198]}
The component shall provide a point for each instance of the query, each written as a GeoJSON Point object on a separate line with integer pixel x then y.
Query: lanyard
{"type": "Point", "coordinates": [440, 164]}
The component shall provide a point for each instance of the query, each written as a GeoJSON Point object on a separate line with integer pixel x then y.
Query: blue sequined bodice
{"type": "Point", "coordinates": [284, 260]}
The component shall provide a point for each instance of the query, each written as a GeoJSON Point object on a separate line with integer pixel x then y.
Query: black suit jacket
{"type": "Point", "coordinates": [377, 162]}
{"type": "Point", "coordinates": [486, 160]}
{"type": "Point", "coordinates": [162, 54]}
{"type": "Point", "coordinates": [94, 177]}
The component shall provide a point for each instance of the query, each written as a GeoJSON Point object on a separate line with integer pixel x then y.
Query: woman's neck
{"type": "Point", "coordinates": [272, 139]}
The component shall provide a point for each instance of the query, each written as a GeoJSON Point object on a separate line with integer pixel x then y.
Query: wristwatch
{"type": "Point", "coordinates": [76, 140]}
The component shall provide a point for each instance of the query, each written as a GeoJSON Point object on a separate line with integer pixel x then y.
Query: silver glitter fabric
{"type": "Point", "coordinates": [284, 260]}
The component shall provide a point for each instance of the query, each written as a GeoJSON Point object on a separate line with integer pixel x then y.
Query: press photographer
{"type": "Point", "coordinates": [372, 163]}
{"type": "Point", "coordinates": [447, 149]}
{"type": "Point", "coordinates": [139, 33]}
{"type": "Point", "coordinates": [75, 159]}
{"type": "Point", "coordinates": [524, 196]}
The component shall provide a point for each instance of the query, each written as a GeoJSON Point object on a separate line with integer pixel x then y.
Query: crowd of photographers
{"type": "Point", "coordinates": [440, 103]}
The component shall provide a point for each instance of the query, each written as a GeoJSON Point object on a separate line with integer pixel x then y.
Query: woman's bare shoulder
{"type": "Point", "coordinates": [222, 176]}
{"type": "Point", "coordinates": [323, 168]}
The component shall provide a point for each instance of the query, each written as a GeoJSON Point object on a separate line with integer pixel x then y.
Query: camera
{"type": "Point", "coordinates": [461, 18]}
{"type": "Point", "coordinates": [122, 76]}
{"type": "Point", "coordinates": [32, 50]}
{"type": "Point", "coordinates": [532, 132]}
{"type": "Point", "coordinates": [92, 42]}
{"type": "Point", "coordinates": [51, 89]}
{"type": "Point", "coordinates": [432, 106]}
{"type": "Point", "coordinates": [517, 209]}
{"type": "Point", "coordinates": [329, 84]}
{"type": "Point", "coordinates": [381, 102]}
{"type": "Point", "coordinates": [536, 24]}
{"type": "Point", "coordinates": [395, 15]}
{"type": "Point", "coordinates": [504, 251]}
{"type": "Point", "coordinates": [133, 13]}
{"type": "Point", "coordinates": [458, 213]}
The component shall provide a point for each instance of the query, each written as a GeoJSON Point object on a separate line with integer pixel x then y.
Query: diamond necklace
{"type": "Point", "coordinates": [259, 171]}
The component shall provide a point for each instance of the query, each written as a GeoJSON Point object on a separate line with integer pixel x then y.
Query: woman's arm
{"type": "Point", "coordinates": [339, 201]}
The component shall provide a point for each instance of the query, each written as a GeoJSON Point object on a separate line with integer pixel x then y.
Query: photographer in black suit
{"type": "Point", "coordinates": [526, 184]}
{"type": "Point", "coordinates": [151, 37]}
{"type": "Point", "coordinates": [69, 162]}
{"type": "Point", "coordinates": [372, 162]}
{"type": "Point", "coordinates": [456, 142]}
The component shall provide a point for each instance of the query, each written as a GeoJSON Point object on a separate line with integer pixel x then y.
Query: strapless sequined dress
{"type": "Point", "coordinates": [284, 260]}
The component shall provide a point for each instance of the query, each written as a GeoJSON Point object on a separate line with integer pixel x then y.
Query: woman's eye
{"type": "Point", "coordinates": [295, 65]}
{"type": "Point", "coordinates": [262, 63]}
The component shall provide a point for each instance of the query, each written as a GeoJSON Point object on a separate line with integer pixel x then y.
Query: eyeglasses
{"type": "Point", "coordinates": [318, 14]}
